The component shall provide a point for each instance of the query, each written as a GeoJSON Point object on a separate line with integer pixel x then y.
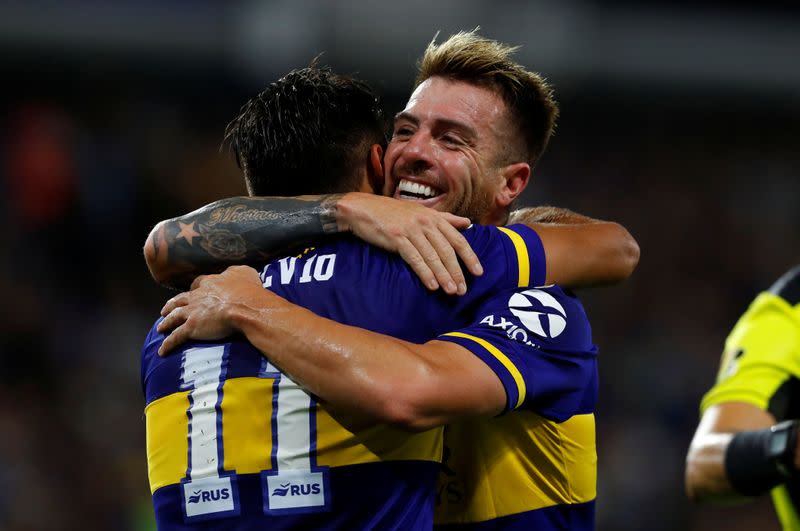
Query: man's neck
{"type": "Point", "coordinates": [496, 217]}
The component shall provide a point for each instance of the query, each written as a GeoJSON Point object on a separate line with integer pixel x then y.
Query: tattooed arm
{"type": "Point", "coordinates": [242, 230]}
{"type": "Point", "coordinates": [236, 230]}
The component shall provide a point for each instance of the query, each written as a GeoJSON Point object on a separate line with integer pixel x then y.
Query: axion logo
{"type": "Point", "coordinates": [539, 312]}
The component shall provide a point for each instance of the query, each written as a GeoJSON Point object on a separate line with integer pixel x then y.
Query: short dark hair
{"type": "Point", "coordinates": [468, 57]}
{"type": "Point", "coordinates": [307, 133]}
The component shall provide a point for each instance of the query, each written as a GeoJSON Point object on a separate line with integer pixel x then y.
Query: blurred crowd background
{"type": "Point", "coordinates": [679, 120]}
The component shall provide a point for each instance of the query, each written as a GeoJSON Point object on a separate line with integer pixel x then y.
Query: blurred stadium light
{"type": "Point", "coordinates": [570, 39]}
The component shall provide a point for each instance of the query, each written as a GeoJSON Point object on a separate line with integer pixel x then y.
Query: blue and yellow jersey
{"type": "Point", "coordinates": [761, 366]}
{"type": "Point", "coordinates": [535, 467]}
{"type": "Point", "coordinates": [234, 444]}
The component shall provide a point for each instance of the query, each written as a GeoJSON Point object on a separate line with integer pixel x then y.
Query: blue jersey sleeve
{"type": "Point", "coordinates": [150, 349]}
{"type": "Point", "coordinates": [538, 343]}
{"type": "Point", "coordinates": [527, 261]}
{"type": "Point", "coordinates": [359, 285]}
{"type": "Point", "coordinates": [159, 375]}
{"type": "Point", "coordinates": [511, 256]}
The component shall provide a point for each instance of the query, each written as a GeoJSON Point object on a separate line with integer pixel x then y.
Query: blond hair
{"type": "Point", "coordinates": [468, 57]}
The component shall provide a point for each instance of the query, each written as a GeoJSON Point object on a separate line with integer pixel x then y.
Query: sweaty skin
{"type": "Point", "coordinates": [410, 385]}
{"type": "Point", "coordinates": [384, 379]}
{"type": "Point", "coordinates": [705, 478]}
{"type": "Point", "coordinates": [453, 137]}
{"type": "Point", "coordinates": [429, 241]}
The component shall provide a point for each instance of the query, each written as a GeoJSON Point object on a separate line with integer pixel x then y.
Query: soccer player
{"type": "Point", "coordinates": [746, 443]}
{"type": "Point", "coordinates": [468, 390]}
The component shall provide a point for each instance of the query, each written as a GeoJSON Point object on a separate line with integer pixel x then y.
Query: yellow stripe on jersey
{"type": "Point", "coordinates": [761, 353]}
{"type": "Point", "coordinates": [513, 464]}
{"type": "Point", "coordinates": [247, 423]}
{"type": "Point", "coordinates": [337, 446]}
{"type": "Point", "coordinates": [247, 435]}
{"type": "Point", "coordinates": [502, 358]}
{"type": "Point", "coordinates": [167, 430]}
{"type": "Point", "coordinates": [522, 256]}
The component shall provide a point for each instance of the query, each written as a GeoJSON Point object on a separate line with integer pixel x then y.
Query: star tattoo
{"type": "Point", "coordinates": [187, 232]}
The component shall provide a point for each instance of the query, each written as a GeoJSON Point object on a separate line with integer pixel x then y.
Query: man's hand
{"type": "Point", "coordinates": [204, 312]}
{"type": "Point", "coordinates": [428, 240]}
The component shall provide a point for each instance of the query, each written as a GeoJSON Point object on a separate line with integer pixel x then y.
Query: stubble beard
{"type": "Point", "coordinates": [475, 208]}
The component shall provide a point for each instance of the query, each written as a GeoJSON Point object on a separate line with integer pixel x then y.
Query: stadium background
{"type": "Point", "coordinates": [680, 121]}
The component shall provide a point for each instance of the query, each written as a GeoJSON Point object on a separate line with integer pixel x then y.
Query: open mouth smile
{"type": "Point", "coordinates": [416, 191]}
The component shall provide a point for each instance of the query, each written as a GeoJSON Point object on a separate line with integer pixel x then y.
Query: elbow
{"type": "Point", "coordinates": [155, 256]}
{"type": "Point", "coordinates": [631, 254]}
{"type": "Point", "coordinates": [690, 480]}
{"type": "Point", "coordinates": [694, 486]}
{"type": "Point", "coordinates": [403, 408]}
{"type": "Point", "coordinates": [700, 482]}
{"type": "Point", "coordinates": [151, 254]}
{"type": "Point", "coordinates": [409, 419]}
{"type": "Point", "coordinates": [628, 254]}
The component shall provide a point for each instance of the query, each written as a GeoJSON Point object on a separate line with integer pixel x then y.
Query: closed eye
{"type": "Point", "coordinates": [452, 140]}
{"type": "Point", "coordinates": [402, 132]}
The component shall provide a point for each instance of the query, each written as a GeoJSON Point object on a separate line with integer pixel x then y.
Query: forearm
{"type": "Point", "coordinates": [581, 251]}
{"type": "Point", "coordinates": [548, 214]}
{"type": "Point", "coordinates": [386, 379]}
{"type": "Point", "coordinates": [706, 480]}
{"type": "Point", "coordinates": [725, 462]}
{"type": "Point", "coordinates": [348, 367]}
{"type": "Point", "coordinates": [235, 230]}
{"type": "Point", "coordinates": [602, 253]}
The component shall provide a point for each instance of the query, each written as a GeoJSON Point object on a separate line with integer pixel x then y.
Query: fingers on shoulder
{"type": "Point", "coordinates": [411, 254]}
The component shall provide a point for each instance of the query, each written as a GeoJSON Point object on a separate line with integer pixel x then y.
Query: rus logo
{"type": "Point", "coordinates": [210, 495]}
{"type": "Point", "coordinates": [283, 490]}
{"type": "Point", "coordinates": [303, 489]}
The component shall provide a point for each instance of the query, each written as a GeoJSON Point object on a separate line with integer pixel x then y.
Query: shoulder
{"type": "Point", "coordinates": [150, 358]}
{"type": "Point", "coordinates": [788, 286]}
{"type": "Point", "coordinates": [517, 235]}
{"type": "Point", "coordinates": [544, 317]}
{"type": "Point", "coordinates": [515, 248]}
{"type": "Point", "coordinates": [538, 342]}
{"type": "Point", "coordinates": [152, 341]}
{"type": "Point", "coordinates": [772, 319]}
{"type": "Point", "coordinates": [761, 351]}
{"type": "Point", "coordinates": [561, 310]}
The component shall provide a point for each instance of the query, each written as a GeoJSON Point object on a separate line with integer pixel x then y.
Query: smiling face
{"type": "Point", "coordinates": [449, 150]}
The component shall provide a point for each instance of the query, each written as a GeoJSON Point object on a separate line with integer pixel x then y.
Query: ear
{"type": "Point", "coordinates": [516, 177]}
{"type": "Point", "coordinates": [246, 175]}
{"type": "Point", "coordinates": [375, 168]}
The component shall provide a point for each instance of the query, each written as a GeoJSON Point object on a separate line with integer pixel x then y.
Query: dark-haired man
{"type": "Point", "coordinates": [337, 118]}
{"type": "Point", "coordinates": [310, 132]}
{"type": "Point", "coordinates": [440, 380]}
